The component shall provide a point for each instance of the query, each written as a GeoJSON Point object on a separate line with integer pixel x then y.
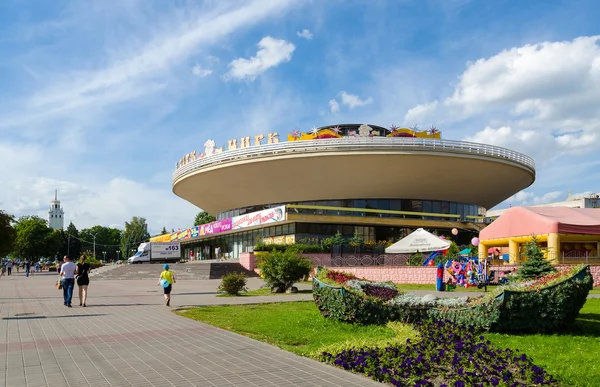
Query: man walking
{"type": "Point", "coordinates": [67, 274]}
{"type": "Point", "coordinates": [27, 268]}
{"type": "Point", "coordinates": [9, 267]}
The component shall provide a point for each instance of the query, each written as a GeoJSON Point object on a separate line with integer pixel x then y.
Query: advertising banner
{"type": "Point", "coordinates": [271, 215]}
{"type": "Point", "coordinates": [214, 227]}
{"type": "Point", "coordinates": [161, 238]}
{"type": "Point", "coordinates": [165, 250]}
{"type": "Point", "coordinates": [195, 231]}
{"type": "Point", "coordinates": [184, 234]}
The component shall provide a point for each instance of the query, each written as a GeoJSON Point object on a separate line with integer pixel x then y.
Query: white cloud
{"type": "Point", "coordinates": [197, 70]}
{"type": "Point", "coordinates": [143, 71]}
{"type": "Point", "coordinates": [538, 78]}
{"type": "Point", "coordinates": [421, 113]}
{"type": "Point", "coordinates": [305, 34]}
{"type": "Point", "coordinates": [271, 53]}
{"type": "Point", "coordinates": [353, 100]}
{"type": "Point", "coordinates": [528, 198]}
{"type": "Point", "coordinates": [90, 144]}
{"type": "Point", "coordinates": [334, 106]}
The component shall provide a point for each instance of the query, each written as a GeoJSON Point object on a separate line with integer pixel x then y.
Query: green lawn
{"type": "Point", "coordinates": [573, 356]}
{"type": "Point", "coordinates": [595, 290]}
{"type": "Point", "coordinates": [264, 292]}
{"type": "Point", "coordinates": [296, 327]}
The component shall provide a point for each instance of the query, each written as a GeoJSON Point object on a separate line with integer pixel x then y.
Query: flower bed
{"type": "Point", "coordinates": [542, 305]}
{"type": "Point", "coordinates": [447, 355]}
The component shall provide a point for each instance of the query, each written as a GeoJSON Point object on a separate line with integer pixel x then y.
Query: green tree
{"type": "Point", "coordinates": [55, 244]}
{"type": "Point", "coordinates": [33, 239]}
{"type": "Point", "coordinates": [453, 251]}
{"type": "Point", "coordinates": [203, 217]}
{"type": "Point", "coordinates": [73, 242]}
{"type": "Point", "coordinates": [8, 234]}
{"type": "Point", "coordinates": [136, 232]}
{"type": "Point", "coordinates": [107, 239]}
{"type": "Point", "coordinates": [356, 240]}
{"type": "Point", "coordinates": [163, 231]}
{"type": "Point", "coordinates": [535, 266]}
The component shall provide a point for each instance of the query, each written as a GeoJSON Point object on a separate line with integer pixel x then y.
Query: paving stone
{"type": "Point", "coordinates": [127, 337]}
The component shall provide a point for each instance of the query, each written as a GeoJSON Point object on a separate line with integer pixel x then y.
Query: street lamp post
{"type": "Point", "coordinates": [94, 236]}
{"type": "Point", "coordinates": [104, 256]}
{"type": "Point", "coordinates": [118, 252]}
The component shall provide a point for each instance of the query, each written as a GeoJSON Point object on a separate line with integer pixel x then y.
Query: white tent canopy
{"type": "Point", "coordinates": [419, 240]}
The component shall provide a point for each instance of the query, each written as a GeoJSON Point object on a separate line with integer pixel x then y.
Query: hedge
{"type": "Point", "coordinates": [540, 310]}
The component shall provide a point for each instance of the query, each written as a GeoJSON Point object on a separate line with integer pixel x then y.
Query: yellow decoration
{"type": "Point", "coordinates": [406, 132]}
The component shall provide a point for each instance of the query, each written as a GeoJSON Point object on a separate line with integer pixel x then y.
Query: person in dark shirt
{"type": "Point", "coordinates": [83, 280]}
{"type": "Point", "coordinates": [27, 268]}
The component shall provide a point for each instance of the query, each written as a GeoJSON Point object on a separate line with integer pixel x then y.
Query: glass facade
{"type": "Point", "coordinates": [411, 205]}
{"type": "Point", "coordinates": [242, 242]}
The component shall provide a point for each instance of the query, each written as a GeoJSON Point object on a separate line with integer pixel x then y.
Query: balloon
{"type": "Point", "coordinates": [164, 283]}
{"type": "Point", "coordinates": [431, 263]}
{"type": "Point", "coordinates": [454, 231]}
{"type": "Point", "coordinates": [475, 241]}
{"type": "Point", "coordinates": [469, 273]}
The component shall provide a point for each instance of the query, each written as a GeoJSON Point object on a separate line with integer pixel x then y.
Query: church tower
{"type": "Point", "coordinates": [57, 215]}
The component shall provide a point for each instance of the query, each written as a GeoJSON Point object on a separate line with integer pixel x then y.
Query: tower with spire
{"type": "Point", "coordinates": [56, 214]}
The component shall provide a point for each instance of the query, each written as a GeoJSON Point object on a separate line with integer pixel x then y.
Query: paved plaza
{"type": "Point", "coordinates": [127, 337]}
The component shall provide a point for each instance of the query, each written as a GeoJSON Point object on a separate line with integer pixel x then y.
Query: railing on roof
{"type": "Point", "coordinates": [358, 144]}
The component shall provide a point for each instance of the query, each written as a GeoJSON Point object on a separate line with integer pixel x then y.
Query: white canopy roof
{"type": "Point", "coordinates": [419, 240]}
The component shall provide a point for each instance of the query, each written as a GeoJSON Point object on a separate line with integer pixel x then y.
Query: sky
{"type": "Point", "coordinates": [100, 98]}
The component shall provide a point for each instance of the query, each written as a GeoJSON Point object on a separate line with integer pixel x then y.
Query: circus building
{"type": "Point", "coordinates": [380, 183]}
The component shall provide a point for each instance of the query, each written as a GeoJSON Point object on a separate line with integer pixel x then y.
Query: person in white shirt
{"type": "Point", "coordinates": [67, 274]}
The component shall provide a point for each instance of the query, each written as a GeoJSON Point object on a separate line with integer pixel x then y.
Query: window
{"type": "Point", "coordinates": [453, 208]}
{"type": "Point", "coordinates": [426, 206]}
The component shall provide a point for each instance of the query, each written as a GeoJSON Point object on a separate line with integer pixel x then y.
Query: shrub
{"type": "Point", "coordinates": [340, 277]}
{"type": "Point", "coordinates": [233, 283]}
{"type": "Point", "coordinates": [381, 292]}
{"type": "Point", "coordinates": [545, 305]}
{"type": "Point", "coordinates": [535, 266]}
{"type": "Point", "coordinates": [91, 260]}
{"type": "Point", "coordinates": [283, 269]}
{"type": "Point", "coordinates": [415, 259]}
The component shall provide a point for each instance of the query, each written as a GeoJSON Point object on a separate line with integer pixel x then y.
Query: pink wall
{"type": "Point", "coordinates": [397, 274]}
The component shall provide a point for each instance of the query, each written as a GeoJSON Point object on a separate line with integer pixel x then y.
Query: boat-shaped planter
{"type": "Point", "coordinates": [544, 305]}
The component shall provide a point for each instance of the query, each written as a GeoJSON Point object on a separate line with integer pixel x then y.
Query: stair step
{"type": "Point", "coordinates": [183, 271]}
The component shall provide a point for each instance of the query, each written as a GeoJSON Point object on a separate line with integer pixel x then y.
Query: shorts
{"type": "Point", "coordinates": [167, 290]}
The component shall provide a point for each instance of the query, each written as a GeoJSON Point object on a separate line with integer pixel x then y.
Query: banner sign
{"type": "Point", "coordinates": [214, 227]}
{"type": "Point", "coordinates": [258, 218]}
{"type": "Point", "coordinates": [165, 250]}
{"type": "Point", "coordinates": [271, 215]}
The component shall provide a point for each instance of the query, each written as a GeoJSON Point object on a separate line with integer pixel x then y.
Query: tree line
{"type": "Point", "coordinates": [30, 237]}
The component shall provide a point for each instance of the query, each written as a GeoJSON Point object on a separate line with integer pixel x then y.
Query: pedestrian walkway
{"type": "Point", "coordinates": [127, 337]}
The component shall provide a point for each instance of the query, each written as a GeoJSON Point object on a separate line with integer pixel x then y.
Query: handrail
{"type": "Point", "coordinates": [358, 144]}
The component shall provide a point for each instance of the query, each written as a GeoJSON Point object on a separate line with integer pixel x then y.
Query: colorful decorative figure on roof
{"type": "Point", "coordinates": [296, 133]}
{"type": "Point", "coordinates": [433, 130]}
{"type": "Point", "coordinates": [209, 147]}
{"type": "Point", "coordinates": [364, 130]}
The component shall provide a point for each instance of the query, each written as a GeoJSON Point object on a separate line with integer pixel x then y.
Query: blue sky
{"type": "Point", "coordinates": [100, 98]}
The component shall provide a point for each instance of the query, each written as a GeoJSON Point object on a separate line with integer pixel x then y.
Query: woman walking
{"type": "Point", "coordinates": [83, 279]}
{"type": "Point", "coordinates": [168, 276]}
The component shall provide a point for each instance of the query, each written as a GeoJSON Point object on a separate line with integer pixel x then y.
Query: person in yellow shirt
{"type": "Point", "coordinates": [168, 276]}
